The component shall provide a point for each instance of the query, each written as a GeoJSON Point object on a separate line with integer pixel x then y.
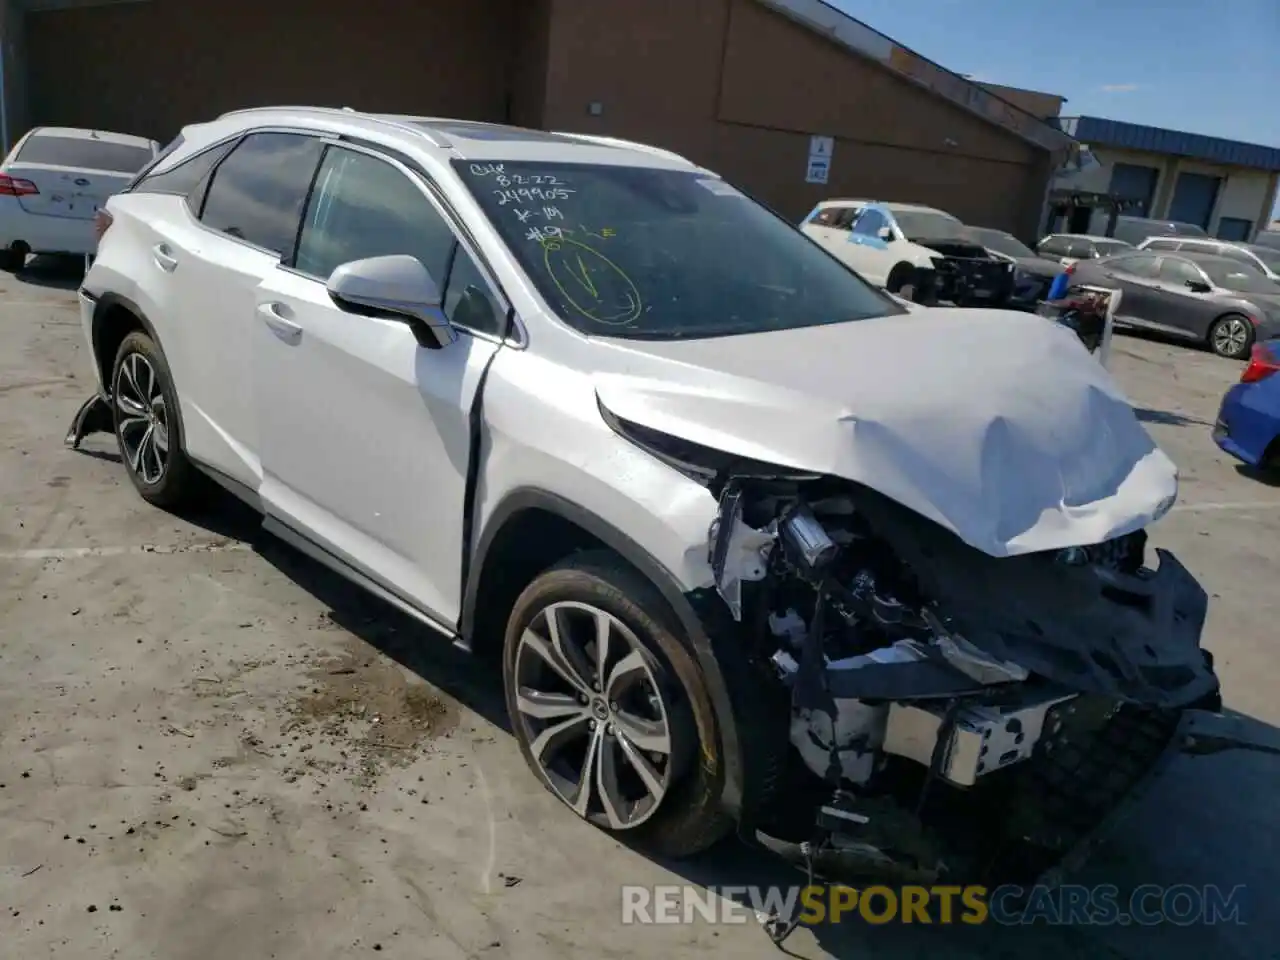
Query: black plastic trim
{"type": "Point", "coordinates": [695, 632]}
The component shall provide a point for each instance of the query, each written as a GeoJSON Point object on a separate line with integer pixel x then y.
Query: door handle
{"type": "Point", "coordinates": [273, 315]}
{"type": "Point", "coordinates": [164, 257]}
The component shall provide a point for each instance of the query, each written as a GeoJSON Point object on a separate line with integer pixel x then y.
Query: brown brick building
{"type": "Point", "coordinates": [738, 85]}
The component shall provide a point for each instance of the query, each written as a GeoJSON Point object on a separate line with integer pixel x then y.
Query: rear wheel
{"type": "Point", "coordinates": [1231, 336]}
{"type": "Point", "coordinates": [610, 709]}
{"type": "Point", "coordinates": [148, 428]}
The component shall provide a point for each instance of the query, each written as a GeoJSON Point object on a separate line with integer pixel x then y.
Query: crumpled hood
{"type": "Point", "coordinates": [996, 425]}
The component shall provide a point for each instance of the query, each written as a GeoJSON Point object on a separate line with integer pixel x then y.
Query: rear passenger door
{"type": "Point", "coordinates": [248, 220]}
{"type": "Point", "coordinates": [1136, 275]}
{"type": "Point", "coordinates": [366, 435]}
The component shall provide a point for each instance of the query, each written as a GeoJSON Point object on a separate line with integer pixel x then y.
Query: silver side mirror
{"type": "Point", "coordinates": [396, 286]}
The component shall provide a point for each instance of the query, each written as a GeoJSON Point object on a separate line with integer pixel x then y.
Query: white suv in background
{"type": "Point", "coordinates": [582, 404]}
{"type": "Point", "coordinates": [1262, 258]}
{"type": "Point", "coordinates": [54, 181]}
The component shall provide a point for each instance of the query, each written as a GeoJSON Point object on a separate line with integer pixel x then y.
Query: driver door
{"type": "Point", "coordinates": [365, 434]}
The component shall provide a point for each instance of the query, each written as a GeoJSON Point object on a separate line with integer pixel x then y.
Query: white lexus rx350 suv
{"type": "Point", "coordinates": [738, 527]}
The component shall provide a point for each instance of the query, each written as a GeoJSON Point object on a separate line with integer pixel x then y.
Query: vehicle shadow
{"type": "Point", "coordinates": [55, 272]}
{"type": "Point", "coordinates": [413, 645]}
{"type": "Point", "coordinates": [1206, 822]}
{"type": "Point", "coordinates": [1168, 418]}
{"type": "Point", "coordinates": [1269, 478]}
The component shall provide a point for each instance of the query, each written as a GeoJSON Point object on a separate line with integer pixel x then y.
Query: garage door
{"type": "Point", "coordinates": [1193, 199]}
{"type": "Point", "coordinates": [151, 67]}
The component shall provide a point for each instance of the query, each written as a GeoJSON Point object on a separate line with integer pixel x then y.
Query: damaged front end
{"type": "Point", "coordinates": [950, 714]}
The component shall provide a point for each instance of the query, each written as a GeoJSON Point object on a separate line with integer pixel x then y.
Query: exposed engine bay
{"type": "Point", "coordinates": [917, 666]}
{"type": "Point", "coordinates": [964, 274]}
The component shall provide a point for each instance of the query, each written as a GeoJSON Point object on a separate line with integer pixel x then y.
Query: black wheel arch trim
{"type": "Point", "coordinates": [695, 632]}
{"type": "Point", "coordinates": [104, 302]}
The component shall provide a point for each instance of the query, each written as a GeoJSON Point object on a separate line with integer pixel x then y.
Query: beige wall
{"type": "Point", "coordinates": [1244, 192]}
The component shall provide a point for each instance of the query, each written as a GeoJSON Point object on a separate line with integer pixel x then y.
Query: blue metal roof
{"type": "Point", "coordinates": [1135, 136]}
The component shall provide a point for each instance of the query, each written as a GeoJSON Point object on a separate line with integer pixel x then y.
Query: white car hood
{"type": "Point", "coordinates": [997, 425]}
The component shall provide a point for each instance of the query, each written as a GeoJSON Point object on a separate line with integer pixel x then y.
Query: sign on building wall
{"type": "Point", "coordinates": [820, 151]}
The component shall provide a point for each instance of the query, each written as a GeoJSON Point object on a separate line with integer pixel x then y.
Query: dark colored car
{"type": "Point", "coordinates": [1032, 274]}
{"type": "Point", "coordinates": [1221, 302]}
{"type": "Point", "coordinates": [1069, 247]}
{"type": "Point", "coordinates": [1248, 425]}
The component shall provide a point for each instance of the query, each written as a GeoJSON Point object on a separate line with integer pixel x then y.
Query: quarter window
{"type": "Point", "coordinates": [258, 192]}
{"type": "Point", "coordinates": [188, 179]}
{"type": "Point", "coordinates": [467, 300]}
{"type": "Point", "coordinates": [364, 207]}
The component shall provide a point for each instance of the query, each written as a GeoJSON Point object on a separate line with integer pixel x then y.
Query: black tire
{"type": "Point", "coordinates": [177, 481]}
{"type": "Point", "coordinates": [689, 817]}
{"type": "Point", "coordinates": [11, 261]}
{"type": "Point", "coordinates": [899, 277]}
{"type": "Point", "coordinates": [1231, 348]}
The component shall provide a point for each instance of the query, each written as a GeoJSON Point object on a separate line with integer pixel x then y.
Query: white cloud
{"type": "Point", "coordinates": [1119, 88]}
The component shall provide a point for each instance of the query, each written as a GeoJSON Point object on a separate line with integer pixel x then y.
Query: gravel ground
{"type": "Point", "coordinates": [210, 747]}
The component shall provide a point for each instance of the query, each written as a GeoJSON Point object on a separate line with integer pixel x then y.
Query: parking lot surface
{"type": "Point", "coordinates": [210, 747]}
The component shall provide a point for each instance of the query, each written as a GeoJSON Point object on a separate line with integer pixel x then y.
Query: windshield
{"type": "Point", "coordinates": [643, 253]}
{"type": "Point", "coordinates": [1000, 242]}
{"type": "Point", "coordinates": [917, 224]}
{"type": "Point", "coordinates": [1268, 256]}
{"type": "Point", "coordinates": [1238, 277]}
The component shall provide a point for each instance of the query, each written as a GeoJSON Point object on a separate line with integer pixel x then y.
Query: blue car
{"type": "Point", "coordinates": [1248, 424]}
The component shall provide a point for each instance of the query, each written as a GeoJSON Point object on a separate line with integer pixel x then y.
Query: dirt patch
{"type": "Point", "coordinates": [359, 700]}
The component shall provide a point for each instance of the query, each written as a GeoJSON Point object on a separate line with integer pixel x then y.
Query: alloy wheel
{"type": "Point", "coordinates": [1230, 337]}
{"type": "Point", "coordinates": [593, 715]}
{"type": "Point", "coordinates": [142, 418]}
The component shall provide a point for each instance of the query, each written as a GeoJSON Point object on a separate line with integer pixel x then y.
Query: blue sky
{"type": "Point", "coordinates": [1206, 66]}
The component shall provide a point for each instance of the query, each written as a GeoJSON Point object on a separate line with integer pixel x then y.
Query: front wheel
{"type": "Point", "coordinates": [147, 426]}
{"type": "Point", "coordinates": [1231, 337]}
{"type": "Point", "coordinates": [610, 709]}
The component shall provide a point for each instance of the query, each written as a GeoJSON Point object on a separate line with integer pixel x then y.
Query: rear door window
{"type": "Point", "coordinates": [84, 153]}
{"type": "Point", "coordinates": [1081, 249]}
{"type": "Point", "coordinates": [1138, 265]}
{"type": "Point", "coordinates": [258, 192]}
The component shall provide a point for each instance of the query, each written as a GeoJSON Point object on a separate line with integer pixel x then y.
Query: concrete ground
{"type": "Point", "coordinates": [211, 748]}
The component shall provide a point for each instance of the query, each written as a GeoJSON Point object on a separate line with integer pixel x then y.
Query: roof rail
{"type": "Point", "coordinates": [629, 145]}
{"type": "Point", "coordinates": [434, 138]}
